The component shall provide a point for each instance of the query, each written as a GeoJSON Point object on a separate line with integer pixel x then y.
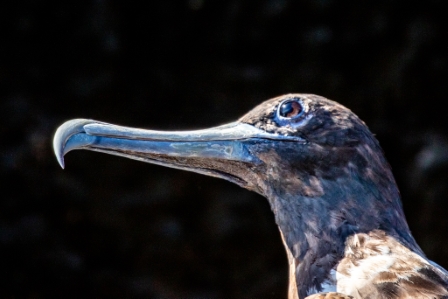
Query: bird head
{"type": "Point", "coordinates": [295, 132]}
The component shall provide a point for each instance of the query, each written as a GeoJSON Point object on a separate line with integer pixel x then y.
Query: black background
{"type": "Point", "coordinates": [107, 227]}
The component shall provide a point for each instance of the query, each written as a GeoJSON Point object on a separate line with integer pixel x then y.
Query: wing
{"type": "Point", "coordinates": [376, 265]}
{"type": "Point", "coordinates": [424, 282]}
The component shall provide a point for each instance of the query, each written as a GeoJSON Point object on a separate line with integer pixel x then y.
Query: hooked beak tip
{"type": "Point", "coordinates": [63, 133]}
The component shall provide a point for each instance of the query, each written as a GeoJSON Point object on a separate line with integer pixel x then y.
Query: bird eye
{"type": "Point", "coordinates": [290, 108]}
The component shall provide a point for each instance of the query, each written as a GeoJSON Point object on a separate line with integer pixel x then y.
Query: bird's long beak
{"type": "Point", "coordinates": [204, 151]}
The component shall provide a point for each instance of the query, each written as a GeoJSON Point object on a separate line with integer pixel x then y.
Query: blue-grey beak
{"type": "Point", "coordinates": [205, 151]}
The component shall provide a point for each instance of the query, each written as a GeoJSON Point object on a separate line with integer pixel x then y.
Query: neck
{"type": "Point", "coordinates": [315, 226]}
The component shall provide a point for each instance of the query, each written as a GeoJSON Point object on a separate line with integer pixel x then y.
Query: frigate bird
{"type": "Point", "coordinates": [324, 174]}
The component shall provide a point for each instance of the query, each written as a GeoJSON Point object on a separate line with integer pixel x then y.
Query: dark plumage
{"type": "Point", "coordinates": [324, 174]}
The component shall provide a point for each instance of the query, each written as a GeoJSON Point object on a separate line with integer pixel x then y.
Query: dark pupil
{"type": "Point", "coordinates": [290, 109]}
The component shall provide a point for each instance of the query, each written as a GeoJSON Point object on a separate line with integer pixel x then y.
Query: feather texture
{"type": "Point", "coordinates": [376, 265]}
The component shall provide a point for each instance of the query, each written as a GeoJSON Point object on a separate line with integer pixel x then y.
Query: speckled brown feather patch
{"type": "Point", "coordinates": [376, 265]}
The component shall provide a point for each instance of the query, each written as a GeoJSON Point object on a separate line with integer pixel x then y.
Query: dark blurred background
{"type": "Point", "coordinates": [107, 227]}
